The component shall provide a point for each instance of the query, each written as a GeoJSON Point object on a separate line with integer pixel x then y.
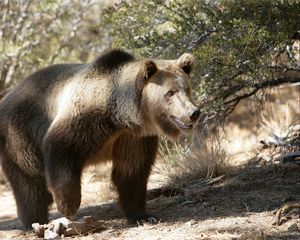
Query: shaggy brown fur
{"type": "Point", "coordinates": [65, 117]}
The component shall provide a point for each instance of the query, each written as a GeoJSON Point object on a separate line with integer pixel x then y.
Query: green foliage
{"type": "Point", "coordinates": [134, 29]}
{"type": "Point", "coordinates": [236, 42]}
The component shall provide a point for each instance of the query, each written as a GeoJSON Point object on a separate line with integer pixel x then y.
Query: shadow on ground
{"type": "Point", "coordinates": [252, 190]}
{"type": "Point", "coordinates": [255, 189]}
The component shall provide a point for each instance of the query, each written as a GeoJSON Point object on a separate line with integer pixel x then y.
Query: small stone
{"type": "Point", "coordinates": [59, 228]}
{"type": "Point", "coordinates": [191, 222]}
{"type": "Point", "coordinates": [38, 229]}
{"type": "Point", "coordinates": [50, 234]}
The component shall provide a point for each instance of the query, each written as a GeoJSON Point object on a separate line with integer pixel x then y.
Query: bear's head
{"type": "Point", "coordinates": [166, 95]}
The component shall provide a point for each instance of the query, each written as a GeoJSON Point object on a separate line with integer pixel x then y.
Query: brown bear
{"type": "Point", "coordinates": [65, 117]}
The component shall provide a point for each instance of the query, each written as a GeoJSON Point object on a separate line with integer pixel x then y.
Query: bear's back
{"type": "Point", "coordinates": [25, 107]}
{"type": "Point", "coordinates": [34, 103]}
{"type": "Point", "coordinates": [39, 84]}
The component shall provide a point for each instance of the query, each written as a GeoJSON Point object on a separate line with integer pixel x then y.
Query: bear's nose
{"type": "Point", "coordinates": [195, 115]}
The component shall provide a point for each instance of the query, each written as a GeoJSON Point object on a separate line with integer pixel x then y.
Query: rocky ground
{"type": "Point", "coordinates": [239, 206]}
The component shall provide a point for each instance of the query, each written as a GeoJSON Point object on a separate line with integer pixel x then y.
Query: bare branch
{"type": "Point", "coordinates": [285, 67]}
{"type": "Point", "coordinates": [231, 104]}
{"type": "Point", "coordinates": [201, 39]}
{"type": "Point", "coordinates": [271, 83]}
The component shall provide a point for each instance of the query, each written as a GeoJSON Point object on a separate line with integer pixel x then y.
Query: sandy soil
{"type": "Point", "coordinates": [240, 206]}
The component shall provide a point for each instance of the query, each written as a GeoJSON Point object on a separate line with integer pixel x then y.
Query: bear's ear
{"type": "Point", "coordinates": [149, 68]}
{"type": "Point", "coordinates": [186, 62]}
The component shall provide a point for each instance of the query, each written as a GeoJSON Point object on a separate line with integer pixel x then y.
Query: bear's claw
{"type": "Point", "coordinates": [147, 219]}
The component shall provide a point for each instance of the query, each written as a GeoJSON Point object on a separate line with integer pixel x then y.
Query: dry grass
{"type": "Point", "coordinates": [280, 134]}
{"type": "Point", "coordinates": [96, 184]}
{"type": "Point", "coordinates": [204, 158]}
{"type": "Point", "coordinates": [274, 125]}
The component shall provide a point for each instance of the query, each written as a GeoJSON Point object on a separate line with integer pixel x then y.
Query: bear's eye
{"type": "Point", "coordinates": [171, 93]}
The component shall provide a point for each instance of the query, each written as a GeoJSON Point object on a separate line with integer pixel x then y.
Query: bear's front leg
{"type": "Point", "coordinates": [63, 172]}
{"type": "Point", "coordinates": [132, 162]}
{"type": "Point", "coordinates": [67, 196]}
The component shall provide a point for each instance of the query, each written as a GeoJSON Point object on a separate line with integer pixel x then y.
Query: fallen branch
{"type": "Point", "coordinates": [282, 210]}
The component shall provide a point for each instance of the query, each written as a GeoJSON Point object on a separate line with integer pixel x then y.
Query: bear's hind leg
{"type": "Point", "coordinates": [132, 162]}
{"type": "Point", "coordinates": [31, 194]}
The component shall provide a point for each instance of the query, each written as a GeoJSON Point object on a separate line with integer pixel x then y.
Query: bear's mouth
{"type": "Point", "coordinates": [181, 124]}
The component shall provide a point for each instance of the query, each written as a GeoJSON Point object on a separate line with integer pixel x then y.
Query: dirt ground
{"type": "Point", "coordinates": [240, 206]}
